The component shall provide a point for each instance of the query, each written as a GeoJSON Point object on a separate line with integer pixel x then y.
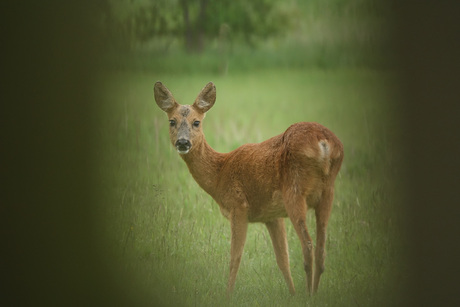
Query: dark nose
{"type": "Point", "coordinates": [183, 146]}
{"type": "Point", "coordinates": [183, 143]}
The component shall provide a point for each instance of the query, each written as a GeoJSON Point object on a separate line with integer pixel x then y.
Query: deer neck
{"type": "Point", "coordinates": [204, 163]}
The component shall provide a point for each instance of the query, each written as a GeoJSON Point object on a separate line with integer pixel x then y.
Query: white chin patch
{"type": "Point", "coordinates": [183, 152]}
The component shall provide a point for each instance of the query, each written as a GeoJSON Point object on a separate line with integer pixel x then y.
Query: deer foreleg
{"type": "Point", "coordinates": [239, 226]}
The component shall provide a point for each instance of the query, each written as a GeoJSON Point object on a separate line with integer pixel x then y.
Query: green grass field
{"type": "Point", "coordinates": [168, 243]}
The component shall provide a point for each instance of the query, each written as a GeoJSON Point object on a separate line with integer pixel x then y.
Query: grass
{"type": "Point", "coordinates": [165, 238]}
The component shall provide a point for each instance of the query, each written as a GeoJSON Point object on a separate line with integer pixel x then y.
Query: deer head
{"type": "Point", "coordinates": [185, 129]}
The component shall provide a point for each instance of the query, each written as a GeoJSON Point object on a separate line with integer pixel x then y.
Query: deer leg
{"type": "Point", "coordinates": [278, 235]}
{"type": "Point", "coordinates": [296, 207]}
{"type": "Point", "coordinates": [323, 212]}
{"type": "Point", "coordinates": [239, 226]}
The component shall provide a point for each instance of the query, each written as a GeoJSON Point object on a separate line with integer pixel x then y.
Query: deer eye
{"type": "Point", "coordinates": [196, 123]}
{"type": "Point", "coordinates": [172, 123]}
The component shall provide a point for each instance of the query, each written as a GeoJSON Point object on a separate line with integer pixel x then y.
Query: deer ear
{"type": "Point", "coordinates": [206, 98]}
{"type": "Point", "coordinates": [163, 97]}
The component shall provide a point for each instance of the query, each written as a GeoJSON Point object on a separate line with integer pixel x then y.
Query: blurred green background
{"type": "Point", "coordinates": [226, 36]}
{"type": "Point", "coordinates": [274, 63]}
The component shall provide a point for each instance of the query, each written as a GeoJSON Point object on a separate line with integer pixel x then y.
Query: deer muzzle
{"type": "Point", "coordinates": [183, 146]}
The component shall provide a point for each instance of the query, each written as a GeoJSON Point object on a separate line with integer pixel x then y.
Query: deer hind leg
{"type": "Point", "coordinates": [322, 212]}
{"type": "Point", "coordinates": [296, 207]}
{"type": "Point", "coordinates": [278, 235]}
{"type": "Point", "coordinates": [239, 227]}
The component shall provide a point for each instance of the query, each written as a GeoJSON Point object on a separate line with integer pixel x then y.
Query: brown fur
{"type": "Point", "coordinates": [280, 177]}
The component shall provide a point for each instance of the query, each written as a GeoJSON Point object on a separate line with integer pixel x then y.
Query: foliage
{"type": "Point", "coordinates": [234, 36]}
{"type": "Point", "coordinates": [129, 23]}
{"type": "Point", "coordinates": [260, 18]}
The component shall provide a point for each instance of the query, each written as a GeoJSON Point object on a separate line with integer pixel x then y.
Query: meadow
{"type": "Point", "coordinates": [166, 240]}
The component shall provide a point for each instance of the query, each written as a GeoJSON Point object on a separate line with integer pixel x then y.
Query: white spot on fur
{"type": "Point", "coordinates": [324, 148]}
{"type": "Point", "coordinates": [325, 152]}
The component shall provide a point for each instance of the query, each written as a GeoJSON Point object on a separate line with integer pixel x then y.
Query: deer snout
{"type": "Point", "coordinates": [183, 146]}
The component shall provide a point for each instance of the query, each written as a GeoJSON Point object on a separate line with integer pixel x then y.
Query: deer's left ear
{"type": "Point", "coordinates": [206, 98]}
{"type": "Point", "coordinates": [164, 98]}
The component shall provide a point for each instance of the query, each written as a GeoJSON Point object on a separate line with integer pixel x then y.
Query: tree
{"type": "Point", "coordinates": [196, 22]}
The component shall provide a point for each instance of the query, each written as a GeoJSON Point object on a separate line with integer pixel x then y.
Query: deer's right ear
{"type": "Point", "coordinates": [164, 98]}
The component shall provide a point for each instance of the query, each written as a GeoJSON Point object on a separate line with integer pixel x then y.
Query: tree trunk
{"type": "Point", "coordinates": [188, 31]}
{"type": "Point", "coordinates": [194, 32]}
{"type": "Point", "coordinates": [200, 26]}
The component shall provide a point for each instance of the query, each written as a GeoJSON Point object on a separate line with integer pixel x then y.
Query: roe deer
{"type": "Point", "coordinates": [266, 182]}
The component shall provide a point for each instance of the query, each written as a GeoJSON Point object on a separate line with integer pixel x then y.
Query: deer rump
{"type": "Point", "coordinates": [257, 175]}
